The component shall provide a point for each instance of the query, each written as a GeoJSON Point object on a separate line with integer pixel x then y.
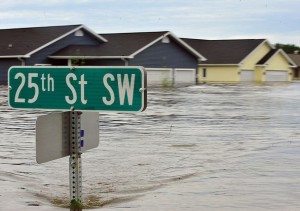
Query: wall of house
{"type": "Point", "coordinates": [5, 64]}
{"type": "Point", "coordinates": [251, 60]}
{"type": "Point", "coordinates": [259, 74]}
{"type": "Point", "coordinates": [165, 55]}
{"type": "Point", "coordinates": [41, 57]}
{"type": "Point", "coordinates": [279, 62]}
{"type": "Point", "coordinates": [219, 74]}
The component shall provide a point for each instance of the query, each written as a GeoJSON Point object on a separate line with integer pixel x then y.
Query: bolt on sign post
{"type": "Point", "coordinates": [74, 89]}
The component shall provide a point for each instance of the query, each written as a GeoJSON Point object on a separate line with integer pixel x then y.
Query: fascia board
{"type": "Point", "coordinates": [88, 57]}
{"type": "Point", "coordinates": [189, 48]}
{"type": "Point", "coordinates": [147, 46]}
{"type": "Point", "coordinates": [201, 64]}
{"type": "Point", "coordinates": [14, 56]}
{"type": "Point", "coordinates": [94, 33]}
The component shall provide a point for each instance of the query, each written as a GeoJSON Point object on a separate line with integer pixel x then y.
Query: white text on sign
{"type": "Point", "coordinates": [125, 87]}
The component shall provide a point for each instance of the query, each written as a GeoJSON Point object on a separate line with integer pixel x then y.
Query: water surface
{"type": "Point", "coordinates": [206, 147]}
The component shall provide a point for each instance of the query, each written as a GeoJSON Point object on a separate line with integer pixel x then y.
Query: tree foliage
{"type": "Point", "coordinates": [288, 48]}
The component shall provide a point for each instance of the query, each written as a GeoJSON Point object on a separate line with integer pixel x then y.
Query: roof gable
{"type": "Point", "coordinates": [228, 52]}
{"type": "Point", "coordinates": [127, 44]}
{"type": "Point", "coordinates": [123, 45]}
{"type": "Point", "coordinates": [134, 43]}
{"type": "Point", "coordinates": [23, 42]}
{"type": "Point", "coordinates": [273, 53]}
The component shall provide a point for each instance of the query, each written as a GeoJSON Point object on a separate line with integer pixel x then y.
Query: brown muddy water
{"type": "Point", "coordinates": [206, 147]}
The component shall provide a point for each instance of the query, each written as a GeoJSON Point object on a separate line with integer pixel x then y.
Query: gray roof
{"type": "Point", "coordinates": [224, 51]}
{"type": "Point", "coordinates": [21, 41]}
{"type": "Point", "coordinates": [295, 58]}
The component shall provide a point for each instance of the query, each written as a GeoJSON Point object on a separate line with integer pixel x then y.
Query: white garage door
{"type": "Point", "coordinates": [277, 75]}
{"type": "Point", "coordinates": [185, 76]}
{"type": "Point", "coordinates": [247, 75]}
{"type": "Point", "coordinates": [159, 76]}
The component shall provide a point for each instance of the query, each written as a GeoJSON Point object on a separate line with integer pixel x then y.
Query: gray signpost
{"type": "Point", "coordinates": [75, 160]}
{"type": "Point", "coordinates": [74, 89]}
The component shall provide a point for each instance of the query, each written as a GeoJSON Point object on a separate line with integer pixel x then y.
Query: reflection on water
{"type": "Point", "coordinates": [206, 147]}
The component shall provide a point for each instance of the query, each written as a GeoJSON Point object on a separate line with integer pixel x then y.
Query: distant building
{"type": "Point", "coordinates": [166, 58]}
{"type": "Point", "coordinates": [296, 59]}
{"type": "Point", "coordinates": [235, 61]}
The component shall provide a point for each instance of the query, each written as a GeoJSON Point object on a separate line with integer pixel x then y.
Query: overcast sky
{"type": "Point", "coordinates": [276, 20]}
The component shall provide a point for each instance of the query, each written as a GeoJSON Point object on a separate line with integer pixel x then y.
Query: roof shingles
{"type": "Point", "coordinates": [224, 51]}
{"type": "Point", "coordinates": [22, 41]}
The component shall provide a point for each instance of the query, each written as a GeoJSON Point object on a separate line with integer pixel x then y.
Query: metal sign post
{"type": "Point", "coordinates": [75, 161]}
{"type": "Point", "coordinates": [74, 89]}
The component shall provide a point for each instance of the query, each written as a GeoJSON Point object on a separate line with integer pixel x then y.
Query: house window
{"type": "Point", "coordinates": [79, 33]}
{"type": "Point", "coordinates": [204, 72]}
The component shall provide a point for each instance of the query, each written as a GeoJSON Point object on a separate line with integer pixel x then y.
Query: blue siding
{"type": "Point", "coordinates": [41, 57]}
{"type": "Point", "coordinates": [165, 55]}
{"type": "Point", "coordinates": [5, 64]}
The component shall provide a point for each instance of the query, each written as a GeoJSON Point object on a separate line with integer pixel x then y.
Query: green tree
{"type": "Point", "coordinates": [288, 48]}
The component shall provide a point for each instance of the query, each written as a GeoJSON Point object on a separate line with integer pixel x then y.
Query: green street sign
{"type": "Point", "coordinates": [78, 88]}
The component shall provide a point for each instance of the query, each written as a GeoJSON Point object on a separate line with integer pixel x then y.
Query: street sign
{"type": "Point", "coordinates": [78, 88]}
{"type": "Point", "coordinates": [53, 135]}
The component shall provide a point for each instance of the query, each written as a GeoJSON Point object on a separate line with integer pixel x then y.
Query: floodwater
{"type": "Point", "coordinates": [206, 147]}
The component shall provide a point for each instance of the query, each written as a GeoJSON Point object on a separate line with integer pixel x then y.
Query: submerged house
{"type": "Point", "coordinates": [296, 59]}
{"type": "Point", "coordinates": [235, 61]}
{"type": "Point", "coordinates": [34, 46]}
{"type": "Point", "coordinates": [165, 57]}
{"type": "Point", "coordinates": [168, 59]}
